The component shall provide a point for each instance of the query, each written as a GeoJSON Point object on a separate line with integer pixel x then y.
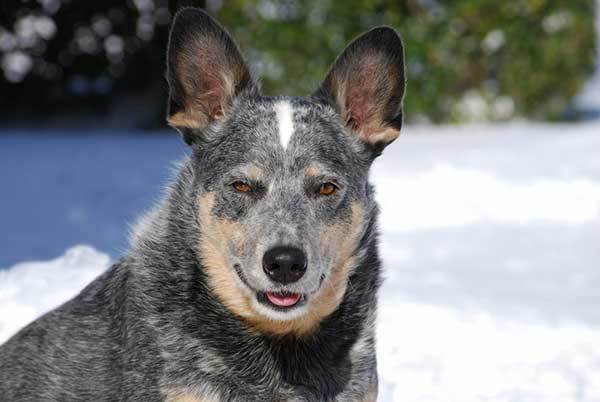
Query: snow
{"type": "Point", "coordinates": [491, 238]}
{"type": "Point", "coordinates": [490, 247]}
{"type": "Point", "coordinates": [30, 289]}
{"type": "Point", "coordinates": [444, 355]}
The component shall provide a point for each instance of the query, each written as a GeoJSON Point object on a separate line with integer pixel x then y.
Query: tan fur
{"type": "Point", "coordinates": [312, 170]}
{"type": "Point", "coordinates": [220, 233]}
{"type": "Point", "coordinates": [182, 119]}
{"type": "Point", "coordinates": [343, 238]}
{"type": "Point", "coordinates": [379, 135]}
{"type": "Point", "coordinates": [255, 173]}
{"type": "Point", "coordinates": [217, 235]}
{"type": "Point", "coordinates": [184, 397]}
{"type": "Point", "coordinates": [371, 395]}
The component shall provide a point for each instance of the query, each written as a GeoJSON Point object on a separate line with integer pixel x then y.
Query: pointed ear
{"type": "Point", "coordinates": [366, 86]}
{"type": "Point", "coordinates": [205, 71]}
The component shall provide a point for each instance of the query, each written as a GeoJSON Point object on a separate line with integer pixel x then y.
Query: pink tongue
{"type": "Point", "coordinates": [283, 300]}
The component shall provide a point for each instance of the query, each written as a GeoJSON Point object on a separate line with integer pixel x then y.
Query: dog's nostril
{"type": "Point", "coordinates": [284, 264]}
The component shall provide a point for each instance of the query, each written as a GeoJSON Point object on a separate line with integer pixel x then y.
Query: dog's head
{"type": "Point", "coordinates": [282, 196]}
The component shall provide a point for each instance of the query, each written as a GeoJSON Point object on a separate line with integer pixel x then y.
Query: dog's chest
{"type": "Point", "coordinates": [188, 398]}
{"type": "Point", "coordinates": [370, 396]}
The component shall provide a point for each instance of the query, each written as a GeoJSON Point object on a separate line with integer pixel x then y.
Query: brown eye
{"type": "Point", "coordinates": [241, 186]}
{"type": "Point", "coordinates": [327, 188]}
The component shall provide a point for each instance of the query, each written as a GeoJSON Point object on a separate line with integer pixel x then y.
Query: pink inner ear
{"type": "Point", "coordinates": [209, 94]}
{"type": "Point", "coordinates": [360, 102]}
{"type": "Point", "coordinates": [356, 105]}
{"type": "Point", "coordinates": [217, 112]}
{"type": "Point", "coordinates": [208, 77]}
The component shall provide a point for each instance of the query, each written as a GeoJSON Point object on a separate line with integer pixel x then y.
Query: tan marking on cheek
{"type": "Point", "coordinates": [217, 235]}
{"type": "Point", "coordinates": [343, 240]}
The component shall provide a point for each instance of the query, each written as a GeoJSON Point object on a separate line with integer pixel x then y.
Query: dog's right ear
{"type": "Point", "coordinates": [205, 71]}
{"type": "Point", "coordinates": [366, 86]}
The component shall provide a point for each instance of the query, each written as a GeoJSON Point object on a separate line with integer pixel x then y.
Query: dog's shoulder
{"type": "Point", "coordinates": [73, 342]}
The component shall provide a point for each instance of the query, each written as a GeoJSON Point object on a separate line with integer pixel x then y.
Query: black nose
{"type": "Point", "coordinates": [284, 264]}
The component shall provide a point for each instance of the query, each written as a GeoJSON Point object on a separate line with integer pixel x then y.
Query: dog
{"type": "Point", "coordinates": [256, 278]}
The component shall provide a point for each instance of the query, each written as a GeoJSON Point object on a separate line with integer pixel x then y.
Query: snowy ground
{"type": "Point", "coordinates": [492, 248]}
{"type": "Point", "coordinates": [492, 252]}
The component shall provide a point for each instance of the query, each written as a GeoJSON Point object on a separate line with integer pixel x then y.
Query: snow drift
{"type": "Point", "coordinates": [492, 261]}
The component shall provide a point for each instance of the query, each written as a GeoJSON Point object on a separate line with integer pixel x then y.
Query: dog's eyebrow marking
{"type": "Point", "coordinates": [285, 121]}
{"type": "Point", "coordinates": [312, 170]}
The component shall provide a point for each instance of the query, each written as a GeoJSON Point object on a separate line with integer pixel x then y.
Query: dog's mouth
{"type": "Point", "coordinates": [282, 301]}
{"type": "Point", "coordinates": [277, 300]}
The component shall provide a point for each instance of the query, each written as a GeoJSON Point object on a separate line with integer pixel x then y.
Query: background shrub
{"type": "Point", "coordinates": [466, 59]}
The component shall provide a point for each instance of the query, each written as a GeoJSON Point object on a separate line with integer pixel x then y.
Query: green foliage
{"type": "Point", "coordinates": [466, 59]}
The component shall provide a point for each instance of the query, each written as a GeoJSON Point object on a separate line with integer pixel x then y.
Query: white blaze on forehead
{"type": "Point", "coordinates": [285, 121]}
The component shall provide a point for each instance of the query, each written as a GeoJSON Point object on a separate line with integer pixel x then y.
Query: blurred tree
{"type": "Point", "coordinates": [466, 59]}
{"type": "Point", "coordinates": [87, 62]}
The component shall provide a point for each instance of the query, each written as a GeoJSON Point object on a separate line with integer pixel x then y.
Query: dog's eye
{"type": "Point", "coordinates": [241, 186]}
{"type": "Point", "coordinates": [327, 188]}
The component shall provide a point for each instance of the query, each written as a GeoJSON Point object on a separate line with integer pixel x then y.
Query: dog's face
{"type": "Point", "coordinates": [282, 198]}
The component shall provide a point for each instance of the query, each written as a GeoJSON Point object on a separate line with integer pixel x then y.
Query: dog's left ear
{"type": "Point", "coordinates": [205, 71]}
{"type": "Point", "coordinates": [366, 86]}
